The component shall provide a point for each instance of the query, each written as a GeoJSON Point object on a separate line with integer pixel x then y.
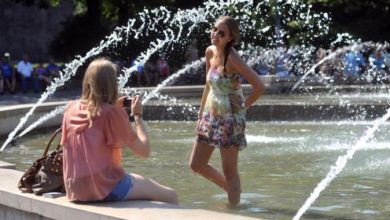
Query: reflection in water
{"type": "Point", "coordinates": [282, 164]}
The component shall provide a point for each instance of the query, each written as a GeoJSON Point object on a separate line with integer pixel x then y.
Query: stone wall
{"type": "Point", "coordinates": [29, 29]}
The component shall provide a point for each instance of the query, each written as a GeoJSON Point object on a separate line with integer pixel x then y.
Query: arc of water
{"type": "Point", "coordinates": [60, 109]}
{"type": "Point", "coordinates": [94, 51]}
{"type": "Point", "coordinates": [122, 81]}
{"type": "Point", "coordinates": [155, 46]}
{"type": "Point", "coordinates": [311, 70]}
{"type": "Point", "coordinates": [50, 115]}
{"type": "Point", "coordinates": [172, 78]}
{"type": "Point", "coordinates": [211, 9]}
{"type": "Point", "coordinates": [180, 19]}
{"type": "Point", "coordinates": [70, 70]}
{"type": "Point", "coordinates": [112, 38]}
{"type": "Point", "coordinates": [340, 164]}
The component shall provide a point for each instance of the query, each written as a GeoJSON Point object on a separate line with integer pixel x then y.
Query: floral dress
{"type": "Point", "coordinates": [222, 125]}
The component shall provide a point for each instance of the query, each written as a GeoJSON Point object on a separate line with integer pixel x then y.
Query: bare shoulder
{"type": "Point", "coordinates": [234, 54]}
{"type": "Point", "coordinates": [209, 50]}
{"type": "Point", "coordinates": [234, 60]}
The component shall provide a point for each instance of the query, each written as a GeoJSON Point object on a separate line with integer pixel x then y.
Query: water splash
{"type": "Point", "coordinates": [146, 96]}
{"type": "Point", "coordinates": [70, 68]}
{"type": "Point", "coordinates": [58, 110]}
{"type": "Point", "coordinates": [173, 77]}
{"type": "Point", "coordinates": [64, 76]}
{"type": "Point", "coordinates": [333, 55]}
{"type": "Point", "coordinates": [244, 9]}
{"type": "Point", "coordinates": [340, 164]}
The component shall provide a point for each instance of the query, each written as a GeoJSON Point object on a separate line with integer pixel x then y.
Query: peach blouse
{"type": "Point", "coordinates": [92, 154]}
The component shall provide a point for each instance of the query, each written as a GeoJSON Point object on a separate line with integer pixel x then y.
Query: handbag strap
{"type": "Point", "coordinates": [51, 140]}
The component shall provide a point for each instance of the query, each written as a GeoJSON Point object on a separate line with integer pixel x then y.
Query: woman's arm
{"type": "Point", "coordinates": [249, 74]}
{"type": "Point", "coordinates": [141, 145]}
{"type": "Point", "coordinates": [208, 55]}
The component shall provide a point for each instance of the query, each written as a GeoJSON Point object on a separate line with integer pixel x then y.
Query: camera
{"type": "Point", "coordinates": [127, 102]}
{"type": "Point", "coordinates": [127, 105]}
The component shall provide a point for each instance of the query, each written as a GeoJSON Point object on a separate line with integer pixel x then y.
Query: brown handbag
{"type": "Point", "coordinates": [45, 175]}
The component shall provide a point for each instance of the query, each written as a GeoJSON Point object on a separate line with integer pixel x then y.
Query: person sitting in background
{"type": "Point", "coordinates": [25, 72]}
{"type": "Point", "coordinates": [41, 74]}
{"type": "Point", "coordinates": [354, 64]}
{"type": "Point", "coordinates": [378, 69]}
{"type": "Point", "coordinates": [335, 65]}
{"type": "Point", "coordinates": [95, 128]}
{"type": "Point", "coordinates": [139, 72]}
{"type": "Point", "coordinates": [323, 68]}
{"type": "Point", "coordinates": [192, 53]}
{"type": "Point", "coordinates": [376, 59]}
{"type": "Point", "coordinates": [163, 68]}
{"type": "Point", "coordinates": [8, 74]}
{"type": "Point", "coordinates": [152, 75]}
{"type": "Point", "coordinates": [386, 55]}
{"type": "Point", "coordinates": [52, 69]}
{"type": "Point", "coordinates": [282, 67]}
{"type": "Point", "coordinates": [262, 68]}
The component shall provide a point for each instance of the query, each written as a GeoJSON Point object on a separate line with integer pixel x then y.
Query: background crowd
{"type": "Point", "coordinates": [364, 64]}
{"type": "Point", "coordinates": [23, 76]}
{"type": "Point", "coordinates": [346, 65]}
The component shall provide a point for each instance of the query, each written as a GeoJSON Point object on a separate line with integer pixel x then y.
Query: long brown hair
{"type": "Point", "coordinates": [100, 86]}
{"type": "Point", "coordinates": [234, 30]}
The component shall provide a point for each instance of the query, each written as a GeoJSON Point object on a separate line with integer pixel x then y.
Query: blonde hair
{"type": "Point", "coordinates": [234, 29]}
{"type": "Point", "coordinates": [99, 86]}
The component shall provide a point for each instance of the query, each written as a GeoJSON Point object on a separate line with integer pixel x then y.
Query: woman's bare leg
{"type": "Point", "coordinates": [230, 169]}
{"type": "Point", "coordinates": [148, 189]}
{"type": "Point", "coordinates": [199, 162]}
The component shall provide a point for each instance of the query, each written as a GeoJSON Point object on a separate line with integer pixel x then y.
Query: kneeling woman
{"type": "Point", "coordinates": [95, 128]}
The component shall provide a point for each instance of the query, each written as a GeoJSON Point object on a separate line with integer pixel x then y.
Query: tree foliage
{"type": "Point", "coordinates": [94, 19]}
{"type": "Point", "coordinates": [367, 20]}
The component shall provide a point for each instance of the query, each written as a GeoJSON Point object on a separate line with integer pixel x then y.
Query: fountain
{"type": "Point", "coordinates": [287, 157]}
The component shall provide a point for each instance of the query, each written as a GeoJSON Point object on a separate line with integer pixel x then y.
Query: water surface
{"type": "Point", "coordinates": [282, 164]}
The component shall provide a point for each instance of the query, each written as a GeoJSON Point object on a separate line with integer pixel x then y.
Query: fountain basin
{"type": "Point", "coordinates": [11, 115]}
{"type": "Point", "coordinates": [278, 108]}
{"type": "Point", "coordinates": [358, 103]}
{"type": "Point", "coordinates": [278, 169]}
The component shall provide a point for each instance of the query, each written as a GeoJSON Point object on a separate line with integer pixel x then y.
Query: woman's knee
{"type": "Point", "coordinates": [197, 166]}
{"type": "Point", "coordinates": [200, 156]}
{"type": "Point", "coordinates": [145, 188]}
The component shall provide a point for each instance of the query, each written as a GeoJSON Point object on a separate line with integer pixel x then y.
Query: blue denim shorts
{"type": "Point", "coordinates": [121, 191]}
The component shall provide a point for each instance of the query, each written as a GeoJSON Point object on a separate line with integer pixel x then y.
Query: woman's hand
{"type": "Point", "coordinates": [121, 101]}
{"type": "Point", "coordinates": [136, 106]}
{"type": "Point", "coordinates": [237, 102]}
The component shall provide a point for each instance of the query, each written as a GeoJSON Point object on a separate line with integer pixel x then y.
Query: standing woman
{"type": "Point", "coordinates": [94, 130]}
{"type": "Point", "coordinates": [221, 120]}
